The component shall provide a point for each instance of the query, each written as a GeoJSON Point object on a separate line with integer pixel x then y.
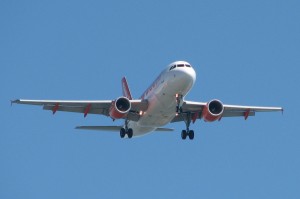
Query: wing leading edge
{"type": "Point", "coordinates": [229, 110]}
{"type": "Point", "coordinates": [85, 106]}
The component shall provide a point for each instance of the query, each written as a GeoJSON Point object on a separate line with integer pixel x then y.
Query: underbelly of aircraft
{"type": "Point", "coordinates": [159, 113]}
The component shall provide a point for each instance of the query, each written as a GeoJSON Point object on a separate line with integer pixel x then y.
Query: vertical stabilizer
{"type": "Point", "coordinates": [125, 88]}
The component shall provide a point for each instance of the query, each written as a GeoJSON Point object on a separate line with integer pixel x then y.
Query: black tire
{"type": "Point", "coordinates": [183, 134]}
{"type": "Point", "coordinates": [122, 133]}
{"type": "Point", "coordinates": [191, 134]}
{"type": "Point", "coordinates": [130, 133]}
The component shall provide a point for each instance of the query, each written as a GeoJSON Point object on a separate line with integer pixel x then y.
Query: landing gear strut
{"type": "Point", "coordinates": [187, 132]}
{"type": "Point", "coordinates": [126, 130]}
{"type": "Point", "coordinates": [178, 101]}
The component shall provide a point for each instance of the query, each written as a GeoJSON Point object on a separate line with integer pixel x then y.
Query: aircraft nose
{"type": "Point", "coordinates": [188, 75]}
{"type": "Point", "coordinates": [184, 79]}
{"type": "Point", "coordinates": [192, 74]}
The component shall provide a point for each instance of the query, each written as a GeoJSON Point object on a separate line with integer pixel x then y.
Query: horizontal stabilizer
{"type": "Point", "coordinates": [115, 128]}
{"type": "Point", "coordinates": [164, 129]}
{"type": "Point", "coordinates": [100, 128]}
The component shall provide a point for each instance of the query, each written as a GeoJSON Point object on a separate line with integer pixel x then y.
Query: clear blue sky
{"type": "Point", "coordinates": [244, 53]}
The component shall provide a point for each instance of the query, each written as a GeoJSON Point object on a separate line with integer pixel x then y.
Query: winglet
{"type": "Point", "coordinates": [125, 88]}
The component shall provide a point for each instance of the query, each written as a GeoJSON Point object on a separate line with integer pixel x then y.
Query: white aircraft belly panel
{"type": "Point", "coordinates": [160, 112]}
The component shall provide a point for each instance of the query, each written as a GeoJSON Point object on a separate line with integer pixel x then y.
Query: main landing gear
{"type": "Point", "coordinates": [126, 130]}
{"type": "Point", "coordinates": [184, 133]}
{"type": "Point", "coordinates": [187, 133]}
{"type": "Point", "coordinates": [123, 132]}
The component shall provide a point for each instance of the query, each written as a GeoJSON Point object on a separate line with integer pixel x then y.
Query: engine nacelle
{"type": "Point", "coordinates": [120, 108]}
{"type": "Point", "coordinates": [213, 111]}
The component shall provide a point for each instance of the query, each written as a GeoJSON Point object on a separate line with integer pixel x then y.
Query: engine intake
{"type": "Point", "coordinates": [213, 111]}
{"type": "Point", "coordinates": [120, 108]}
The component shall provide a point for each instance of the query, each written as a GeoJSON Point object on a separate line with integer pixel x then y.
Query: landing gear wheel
{"type": "Point", "coordinates": [126, 130]}
{"type": "Point", "coordinates": [191, 134]}
{"type": "Point", "coordinates": [187, 119]}
{"type": "Point", "coordinates": [130, 133]}
{"type": "Point", "coordinates": [122, 133]}
{"type": "Point", "coordinates": [183, 134]}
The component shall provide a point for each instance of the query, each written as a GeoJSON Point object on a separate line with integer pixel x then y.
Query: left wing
{"type": "Point", "coordinates": [86, 106]}
{"type": "Point", "coordinates": [196, 110]}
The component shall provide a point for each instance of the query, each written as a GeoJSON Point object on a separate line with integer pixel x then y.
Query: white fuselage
{"type": "Point", "coordinates": [161, 96]}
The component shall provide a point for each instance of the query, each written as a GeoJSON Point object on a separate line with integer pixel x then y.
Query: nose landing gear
{"type": "Point", "coordinates": [179, 103]}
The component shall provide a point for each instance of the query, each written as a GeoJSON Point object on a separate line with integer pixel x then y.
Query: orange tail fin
{"type": "Point", "coordinates": [125, 88]}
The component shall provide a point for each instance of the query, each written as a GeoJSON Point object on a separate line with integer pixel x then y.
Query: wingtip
{"type": "Point", "coordinates": [14, 101]}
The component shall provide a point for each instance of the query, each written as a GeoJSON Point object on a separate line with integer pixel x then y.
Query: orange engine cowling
{"type": "Point", "coordinates": [213, 111]}
{"type": "Point", "coordinates": [120, 108]}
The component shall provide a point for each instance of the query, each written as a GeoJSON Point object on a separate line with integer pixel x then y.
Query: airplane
{"type": "Point", "coordinates": [162, 103]}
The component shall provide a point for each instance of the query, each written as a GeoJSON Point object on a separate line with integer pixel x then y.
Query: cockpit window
{"type": "Point", "coordinates": [172, 67]}
{"type": "Point", "coordinates": [180, 65]}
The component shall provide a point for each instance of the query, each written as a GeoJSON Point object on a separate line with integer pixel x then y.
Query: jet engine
{"type": "Point", "coordinates": [119, 108]}
{"type": "Point", "coordinates": [213, 111]}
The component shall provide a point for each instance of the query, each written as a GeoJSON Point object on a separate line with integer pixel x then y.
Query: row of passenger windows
{"type": "Point", "coordinates": [180, 65]}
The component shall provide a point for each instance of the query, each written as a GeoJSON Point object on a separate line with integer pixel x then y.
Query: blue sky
{"type": "Point", "coordinates": [244, 53]}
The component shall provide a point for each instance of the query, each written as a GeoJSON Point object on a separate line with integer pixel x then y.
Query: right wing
{"type": "Point", "coordinates": [196, 109]}
{"type": "Point", "coordinates": [86, 106]}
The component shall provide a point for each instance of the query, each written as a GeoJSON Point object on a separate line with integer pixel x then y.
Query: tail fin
{"type": "Point", "coordinates": [125, 88]}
